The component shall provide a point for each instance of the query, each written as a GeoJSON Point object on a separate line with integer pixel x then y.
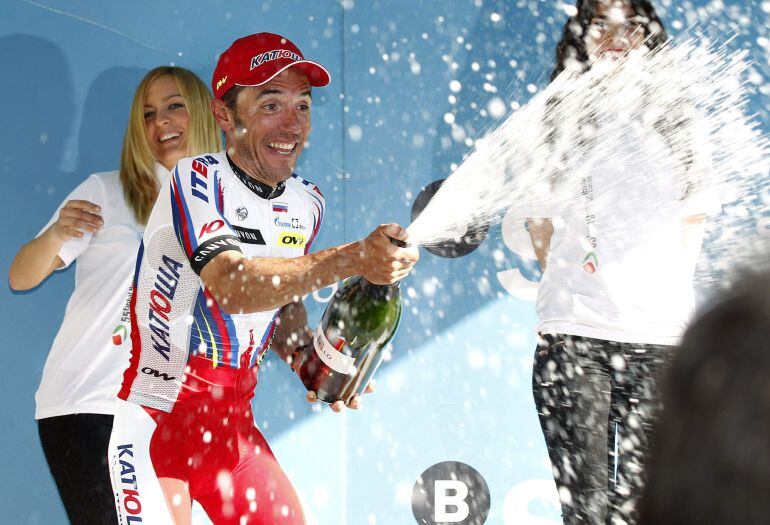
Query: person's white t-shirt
{"type": "Point", "coordinates": [618, 267]}
{"type": "Point", "coordinates": [84, 368]}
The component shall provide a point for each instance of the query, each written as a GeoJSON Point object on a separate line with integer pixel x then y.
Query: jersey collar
{"type": "Point", "coordinates": [260, 188]}
{"type": "Point", "coordinates": [161, 173]}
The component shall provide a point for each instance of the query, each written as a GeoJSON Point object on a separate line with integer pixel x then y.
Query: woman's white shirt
{"type": "Point", "coordinates": [641, 290]}
{"type": "Point", "coordinates": [84, 368]}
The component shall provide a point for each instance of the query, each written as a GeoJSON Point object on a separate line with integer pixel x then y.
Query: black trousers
{"type": "Point", "coordinates": [75, 447]}
{"type": "Point", "coordinates": [597, 401]}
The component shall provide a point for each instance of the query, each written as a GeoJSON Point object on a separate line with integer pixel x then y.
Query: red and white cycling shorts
{"type": "Point", "coordinates": [217, 450]}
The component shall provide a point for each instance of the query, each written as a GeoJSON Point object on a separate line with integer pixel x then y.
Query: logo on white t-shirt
{"type": "Point", "coordinates": [590, 262]}
{"type": "Point", "coordinates": [119, 335]}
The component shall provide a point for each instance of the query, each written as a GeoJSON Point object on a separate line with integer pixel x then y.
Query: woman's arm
{"type": "Point", "coordinates": [692, 238]}
{"type": "Point", "coordinates": [540, 231]}
{"type": "Point", "coordinates": [39, 257]}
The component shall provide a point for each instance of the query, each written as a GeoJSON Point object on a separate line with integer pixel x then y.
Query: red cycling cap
{"type": "Point", "coordinates": [256, 59]}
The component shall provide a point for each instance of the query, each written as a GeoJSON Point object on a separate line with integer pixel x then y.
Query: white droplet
{"type": "Point", "coordinates": [483, 285]}
{"type": "Point", "coordinates": [449, 118]}
{"type": "Point", "coordinates": [276, 280]}
{"type": "Point", "coordinates": [496, 108]}
{"type": "Point", "coordinates": [355, 133]}
{"type": "Point", "coordinates": [458, 133]}
{"type": "Point", "coordinates": [569, 9]}
{"type": "Point", "coordinates": [455, 86]}
{"type": "Point", "coordinates": [495, 17]}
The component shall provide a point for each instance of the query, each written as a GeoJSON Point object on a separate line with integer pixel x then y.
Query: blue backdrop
{"type": "Point", "coordinates": [458, 384]}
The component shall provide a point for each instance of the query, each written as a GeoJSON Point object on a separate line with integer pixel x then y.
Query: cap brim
{"type": "Point", "coordinates": [317, 75]}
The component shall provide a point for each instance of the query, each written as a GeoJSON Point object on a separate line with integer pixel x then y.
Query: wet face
{"type": "Point", "coordinates": [166, 121]}
{"type": "Point", "coordinates": [614, 30]}
{"type": "Point", "coordinates": [269, 126]}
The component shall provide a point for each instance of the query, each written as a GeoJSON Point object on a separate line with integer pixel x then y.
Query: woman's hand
{"type": "Point", "coordinates": [77, 218]}
{"type": "Point", "coordinates": [37, 259]}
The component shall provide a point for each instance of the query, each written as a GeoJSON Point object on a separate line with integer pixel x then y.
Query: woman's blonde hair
{"type": "Point", "coordinates": [137, 162]}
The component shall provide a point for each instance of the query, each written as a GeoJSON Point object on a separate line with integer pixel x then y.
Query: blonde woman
{"type": "Point", "coordinates": [100, 225]}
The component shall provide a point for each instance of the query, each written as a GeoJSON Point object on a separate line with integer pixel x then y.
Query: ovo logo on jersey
{"type": "Point", "coordinates": [157, 373]}
{"type": "Point", "coordinates": [292, 240]}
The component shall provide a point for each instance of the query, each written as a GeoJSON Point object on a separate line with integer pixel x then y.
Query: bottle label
{"type": "Point", "coordinates": [333, 358]}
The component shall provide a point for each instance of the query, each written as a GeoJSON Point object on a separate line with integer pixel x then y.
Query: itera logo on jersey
{"type": "Point", "coordinates": [199, 174]}
{"type": "Point", "coordinates": [129, 498]}
{"type": "Point", "coordinates": [161, 296]}
{"type": "Point", "coordinates": [292, 240]}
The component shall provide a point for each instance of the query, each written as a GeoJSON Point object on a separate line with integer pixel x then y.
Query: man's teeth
{"type": "Point", "coordinates": [169, 136]}
{"type": "Point", "coordinates": [282, 147]}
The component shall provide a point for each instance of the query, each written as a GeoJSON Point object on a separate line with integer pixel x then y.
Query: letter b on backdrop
{"type": "Point", "coordinates": [450, 492]}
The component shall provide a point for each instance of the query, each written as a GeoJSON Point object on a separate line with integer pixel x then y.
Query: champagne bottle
{"type": "Point", "coordinates": [348, 344]}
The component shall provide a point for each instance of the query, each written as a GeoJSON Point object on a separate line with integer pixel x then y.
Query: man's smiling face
{"type": "Point", "coordinates": [271, 123]}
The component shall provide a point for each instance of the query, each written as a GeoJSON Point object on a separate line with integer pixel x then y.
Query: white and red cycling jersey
{"type": "Point", "coordinates": [185, 348]}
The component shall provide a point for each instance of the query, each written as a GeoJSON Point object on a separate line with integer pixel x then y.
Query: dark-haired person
{"type": "Point", "coordinates": [99, 225]}
{"type": "Point", "coordinates": [711, 453]}
{"type": "Point", "coordinates": [225, 255]}
{"type": "Point", "coordinates": [616, 290]}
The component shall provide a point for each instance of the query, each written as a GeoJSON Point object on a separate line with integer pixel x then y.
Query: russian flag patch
{"type": "Point", "coordinates": [280, 207]}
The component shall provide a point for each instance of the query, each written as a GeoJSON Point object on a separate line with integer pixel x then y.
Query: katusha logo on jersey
{"type": "Point", "coordinates": [129, 490]}
{"type": "Point", "coordinates": [161, 296]}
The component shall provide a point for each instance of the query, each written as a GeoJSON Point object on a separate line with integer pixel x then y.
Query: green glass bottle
{"type": "Point", "coordinates": [348, 344]}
